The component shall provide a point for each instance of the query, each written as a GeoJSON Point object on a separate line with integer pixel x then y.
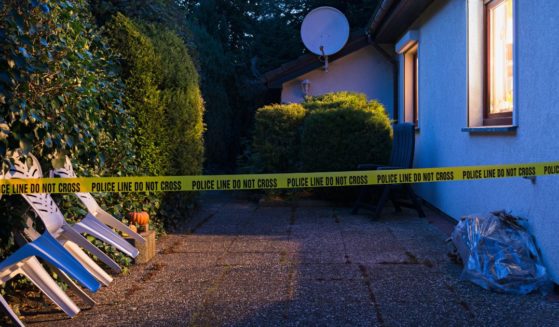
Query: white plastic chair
{"type": "Point", "coordinates": [10, 312]}
{"type": "Point", "coordinates": [96, 219]}
{"type": "Point", "coordinates": [56, 225]}
{"type": "Point", "coordinates": [31, 233]}
{"type": "Point", "coordinates": [24, 262]}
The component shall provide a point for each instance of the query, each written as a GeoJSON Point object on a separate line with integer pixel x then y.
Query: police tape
{"type": "Point", "coordinates": [273, 181]}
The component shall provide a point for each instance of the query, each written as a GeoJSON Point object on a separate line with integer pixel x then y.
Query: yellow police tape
{"type": "Point", "coordinates": [273, 181]}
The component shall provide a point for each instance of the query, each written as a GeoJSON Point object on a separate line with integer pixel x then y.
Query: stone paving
{"type": "Point", "coordinates": [250, 265]}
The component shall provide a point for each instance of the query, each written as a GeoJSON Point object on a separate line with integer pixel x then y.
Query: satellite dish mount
{"type": "Point", "coordinates": [324, 32]}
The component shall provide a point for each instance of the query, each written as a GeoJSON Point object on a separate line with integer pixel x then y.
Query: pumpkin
{"type": "Point", "coordinates": [140, 218]}
{"type": "Point", "coordinates": [133, 228]}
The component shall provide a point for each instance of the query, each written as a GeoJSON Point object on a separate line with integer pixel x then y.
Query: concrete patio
{"type": "Point", "coordinates": [246, 264]}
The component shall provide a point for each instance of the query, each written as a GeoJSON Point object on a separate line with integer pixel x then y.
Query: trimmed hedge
{"type": "Point", "coordinates": [336, 100]}
{"type": "Point", "coordinates": [277, 137]}
{"type": "Point", "coordinates": [343, 130]}
{"type": "Point", "coordinates": [333, 132]}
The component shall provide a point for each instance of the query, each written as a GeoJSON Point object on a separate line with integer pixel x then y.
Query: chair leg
{"type": "Point", "coordinates": [382, 201]}
{"type": "Point", "coordinates": [74, 287]}
{"type": "Point", "coordinates": [47, 248]}
{"type": "Point", "coordinates": [71, 235]}
{"type": "Point", "coordinates": [88, 263]}
{"type": "Point", "coordinates": [394, 200]}
{"type": "Point", "coordinates": [111, 221]}
{"type": "Point", "coordinates": [90, 225]}
{"type": "Point", "coordinates": [363, 192]}
{"type": "Point", "coordinates": [10, 312]}
{"type": "Point", "coordinates": [415, 201]}
{"type": "Point", "coordinates": [40, 277]}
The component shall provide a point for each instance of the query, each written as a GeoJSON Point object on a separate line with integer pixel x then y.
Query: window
{"type": "Point", "coordinates": [491, 76]}
{"type": "Point", "coordinates": [415, 86]}
{"type": "Point", "coordinates": [498, 62]}
{"type": "Point", "coordinates": [408, 49]}
{"type": "Point", "coordinates": [411, 85]}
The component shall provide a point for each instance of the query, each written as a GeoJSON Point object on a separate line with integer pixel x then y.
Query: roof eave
{"type": "Point", "coordinates": [393, 18]}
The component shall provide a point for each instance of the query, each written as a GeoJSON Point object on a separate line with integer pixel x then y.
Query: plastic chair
{"type": "Point", "coordinates": [31, 233]}
{"type": "Point", "coordinates": [47, 210]}
{"type": "Point", "coordinates": [403, 147]}
{"type": "Point", "coordinates": [96, 219]}
{"type": "Point", "coordinates": [10, 312]}
{"type": "Point", "coordinates": [24, 262]}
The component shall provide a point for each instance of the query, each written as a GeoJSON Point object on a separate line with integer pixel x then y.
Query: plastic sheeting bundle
{"type": "Point", "coordinates": [499, 254]}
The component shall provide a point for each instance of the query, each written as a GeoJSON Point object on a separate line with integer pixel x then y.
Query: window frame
{"type": "Point", "coordinates": [492, 119]}
{"type": "Point", "coordinates": [415, 86]}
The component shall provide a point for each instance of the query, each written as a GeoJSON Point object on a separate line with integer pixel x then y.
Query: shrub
{"type": "Point", "coordinates": [343, 130]}
{"type": "Point", "coordinates": [336, 100]}
{"type": "Point", "coordinates": [277, 137]}
{"type": "Point", "coordinates": [183, 106]}
{"type": "Point", "coordinates": [163, 94]}
{"type": "Point", "coordinates": [216, 72]}
{"type": "Point", "coordinates": [59, 95]}
{"type": "Point", "coordinates": [138, 66]}
{"type": "Point", "coordinates": [181, 100]}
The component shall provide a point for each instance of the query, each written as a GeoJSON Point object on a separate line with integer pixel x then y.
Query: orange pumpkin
{"type": "Point", "coordinates": [140, 218]}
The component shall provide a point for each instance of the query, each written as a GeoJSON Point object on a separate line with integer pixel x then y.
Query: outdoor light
{"type": "Point", "coordinates": [306, 87]}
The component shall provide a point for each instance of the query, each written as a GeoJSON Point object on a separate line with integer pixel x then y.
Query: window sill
{"type": "Point", "coordinates": [490, 129]}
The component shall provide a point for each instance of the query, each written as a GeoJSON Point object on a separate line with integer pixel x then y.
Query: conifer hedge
{"type": "Point", "coordinates": [163, 94]}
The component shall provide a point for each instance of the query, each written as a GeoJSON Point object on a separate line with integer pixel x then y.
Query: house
{"type": "Point", "coordinates": [358, 67]}
{"type": "Point", "coordinates": [478, 77]}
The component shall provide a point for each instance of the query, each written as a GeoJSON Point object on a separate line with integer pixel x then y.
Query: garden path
{"type": "Point", "coordinates": [246, 264]}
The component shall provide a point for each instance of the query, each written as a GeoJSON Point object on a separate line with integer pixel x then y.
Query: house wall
{"type": "Point", "coordinates": [364, 70]}
{"type": "Point", "coordinates": [443, 106]}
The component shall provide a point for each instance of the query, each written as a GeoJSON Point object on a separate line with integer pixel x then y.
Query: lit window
{"type": "Point", "coordinates": [415, 87]}
{"type": "Point", "coordinates": [408, 49]}
{"type": "Point", "coordinates": [499, 62]}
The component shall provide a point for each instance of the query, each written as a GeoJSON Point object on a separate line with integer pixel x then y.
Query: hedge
{"type": "Point", "coordinates": [183, 107]}
{"type": "Point", "coordinates": [277, 137]}
{"type": "Point", "coordinates": [343, 130]}
{"type": "Point", "coordinates": [59, 95]}
{"type": "Point", "coordinates": [333, 132]}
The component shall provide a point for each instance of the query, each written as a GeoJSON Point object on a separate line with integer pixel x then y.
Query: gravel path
{"type": "Point", "coordinates": [304, 265]}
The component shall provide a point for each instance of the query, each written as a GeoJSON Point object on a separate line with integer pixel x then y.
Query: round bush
{"type": "Point", "coordinates": [277, 137]}
{"type": "Point", "coordinates": [343, 130]}
{"type": "Point", "coordinates": [337, 100]}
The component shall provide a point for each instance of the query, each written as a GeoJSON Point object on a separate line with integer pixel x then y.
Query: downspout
{"type": "Point", "coordinates": [375, 23]}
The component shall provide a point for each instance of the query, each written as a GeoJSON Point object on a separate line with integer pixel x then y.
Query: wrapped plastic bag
{"type": "Point", "coordinates": [499, 254]}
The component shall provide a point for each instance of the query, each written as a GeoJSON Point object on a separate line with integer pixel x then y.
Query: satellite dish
{"type": "Point", "coordinates": [325, 31]}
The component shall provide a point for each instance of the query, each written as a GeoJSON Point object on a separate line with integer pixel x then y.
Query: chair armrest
{"type": "Point", "coordinates": [368, 166]}
{"type": "Point", "coordinates": [389, 168]}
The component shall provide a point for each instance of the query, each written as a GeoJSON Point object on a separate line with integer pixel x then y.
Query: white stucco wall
{"type": "Point", "coordinates": [364, 70]}
{"type": "Point", "coordinates": [443, 113]}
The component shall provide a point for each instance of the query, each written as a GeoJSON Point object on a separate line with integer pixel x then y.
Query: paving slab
{"type": "Point", "coordinates": [238, 263]}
